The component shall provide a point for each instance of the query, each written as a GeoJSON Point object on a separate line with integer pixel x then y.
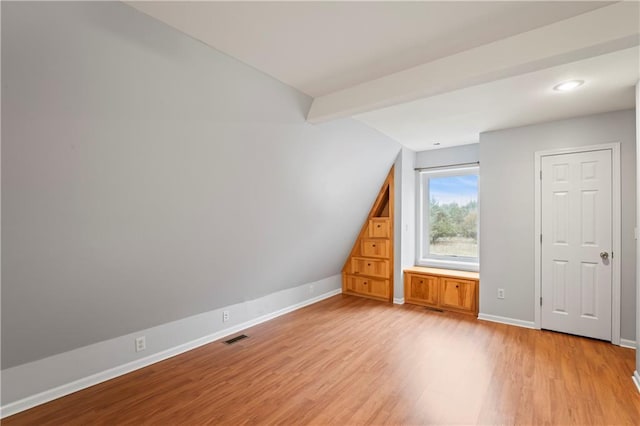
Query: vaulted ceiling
{"type": "Point", "coordinates": [429, 72]}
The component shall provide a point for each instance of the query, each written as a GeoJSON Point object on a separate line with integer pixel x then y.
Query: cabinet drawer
{"type": "Point", "coordinates": [458, 294]}
{"type": "Point", "coordinates": [368, 286]}
{"type": "Point", "coordinates": [421, 289]}
{"type": "Point", "coordinates": [375, 248]}
{"type": "Point", "coordinates": [378, 227]}
{"type": "Point", "coordinates": [371, 267]}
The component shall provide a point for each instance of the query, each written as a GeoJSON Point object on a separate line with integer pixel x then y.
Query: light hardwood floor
{"type": "Point", "coordinates": [349, 360]}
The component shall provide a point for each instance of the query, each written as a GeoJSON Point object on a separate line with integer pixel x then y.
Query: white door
{"type": "Point", "coordinates": [576, 243]}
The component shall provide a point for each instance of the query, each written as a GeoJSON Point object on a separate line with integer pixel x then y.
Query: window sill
{"type": "Point", "coordinates": [449, 264]}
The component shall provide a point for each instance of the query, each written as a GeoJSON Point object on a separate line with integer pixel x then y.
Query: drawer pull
{"type": "Point", "coordinates": [368, 264]}
{"type": "Point", "coordinates": [365, 283]}
{"type": "Point", "coordinates": [373, 245]}
{"type": "Point", "coordinates": [457, 286]}
{"type": "Point", "coordinates": [378, 226]}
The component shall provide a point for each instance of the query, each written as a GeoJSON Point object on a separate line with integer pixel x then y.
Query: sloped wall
{"type": "Point", "coordinates": [147, 177]}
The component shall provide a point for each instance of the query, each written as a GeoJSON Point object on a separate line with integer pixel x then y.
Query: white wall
{"type": "Point", "coordinates": [149, 178]}
{"type": "Point", "coordinates": [507, 209]}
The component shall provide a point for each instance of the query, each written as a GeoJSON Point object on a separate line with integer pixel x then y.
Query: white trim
{"type": "Point", "coordinates": [506, 320]}
{"type": "Point", "coordinates": [398, 300]}
{"type": "Point", "coordinates": [529, 51]}
{"type": "Point", "coordinates": [626, 343]}
{"type": "Point", "coordinates": [636, 374]}
{"type": "Point", "coordinates": [537, 268]}
{"type": "Point", "coordinates": [28, 376]}
{"type": "Point", "coordinates": [449, 264]}
{"type": "Point", "coordinates": [615, 225]}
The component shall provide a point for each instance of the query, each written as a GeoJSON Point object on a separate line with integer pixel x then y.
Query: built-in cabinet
{"type": "Point", "coordinates": [368, 272]}
{"type": "Point", "coordinates": [442, 289]}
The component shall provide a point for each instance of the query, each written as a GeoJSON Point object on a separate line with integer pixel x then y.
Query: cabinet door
{"type": "Point", "coordinates": [368, 286]}
{"type": "Point", "coordinates": [378, 228]}
{"type": "Point", "coordinates": [422, 289]}
{"type": "Point", "coordinates": [379, 288]}
{"type": "Point", "coordinates": [375, 248]}
{"type": "Point", "coordinates": [371, 267]}
{"type": "Point", "coordinates": [458, 294]}
{"type": "Point", "coordinates": [352, 284]}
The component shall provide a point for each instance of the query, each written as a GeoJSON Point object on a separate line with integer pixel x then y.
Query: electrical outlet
{"type": "Point", "coordinates": [141, 344]}
{"type": "Point", "coordinates": [225, 316]}
{"type": "Point", "coordinates": [501, 293]}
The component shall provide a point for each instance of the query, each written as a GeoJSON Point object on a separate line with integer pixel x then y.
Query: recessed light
{"type": "Point", "coordinates": [565, 86]}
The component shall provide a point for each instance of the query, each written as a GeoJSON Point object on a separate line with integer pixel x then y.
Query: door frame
{"type": "Point", "coordinates": [616, 230]}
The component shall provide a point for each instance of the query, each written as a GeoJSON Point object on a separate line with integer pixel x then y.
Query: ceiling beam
{"type": "Point", "coordinates": [594, 33]}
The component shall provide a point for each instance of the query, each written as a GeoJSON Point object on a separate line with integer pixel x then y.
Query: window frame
{"type": "Point", "coordinates": [423, 257]}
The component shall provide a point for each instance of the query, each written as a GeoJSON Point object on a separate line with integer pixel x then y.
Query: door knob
{"type": "Point", "coordinates": [604, 255]}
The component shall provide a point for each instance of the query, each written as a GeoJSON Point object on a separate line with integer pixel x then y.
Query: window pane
{"type": "Point", "coordinates": [453, 216]}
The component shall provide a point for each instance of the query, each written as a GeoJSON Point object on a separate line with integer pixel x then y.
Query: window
{"type": "Point", "coordinates": [448, 218]}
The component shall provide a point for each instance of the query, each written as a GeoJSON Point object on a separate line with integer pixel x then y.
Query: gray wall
{"type": "Point", "coordinates": [448, 156]}
{"type": "Point", "coordinates": [404, 227]}
{"type": "Point", "coordinates": [147, 177]}
{"type": "Point", "coordinates": [507, 208]}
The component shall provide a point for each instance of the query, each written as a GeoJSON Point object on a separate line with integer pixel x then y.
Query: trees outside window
{"type": "Point", "coordinates": [448, 228]}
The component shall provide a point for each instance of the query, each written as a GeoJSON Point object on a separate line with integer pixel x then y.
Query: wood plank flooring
{"type": "Point", "coordinates": [349, 361]}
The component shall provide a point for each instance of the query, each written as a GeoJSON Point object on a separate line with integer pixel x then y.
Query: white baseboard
{"type": "Point", "coordinates": [506, 320]}
{"type": "Point", "coordinates": [636, 379]}
{"type": "Point", "coordinates": [35, 383]}
{"type": "Point", "coordinates": [398, 300]}
{"type": "Point", "coordinates": [626, 343]}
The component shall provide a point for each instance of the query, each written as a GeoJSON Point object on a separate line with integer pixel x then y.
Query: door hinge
{"type": "Point", "coordinates": [540, 238]}
{"type": "Point", "coordinates": [540, 174]}
{"type": "Point", "coordinates": [541, 301]}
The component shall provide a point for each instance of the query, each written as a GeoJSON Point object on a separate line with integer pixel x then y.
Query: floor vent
{"type": "Point", "coordinates": [434, 310]}
{"type": "Point", "coordinates": [235, 339]}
